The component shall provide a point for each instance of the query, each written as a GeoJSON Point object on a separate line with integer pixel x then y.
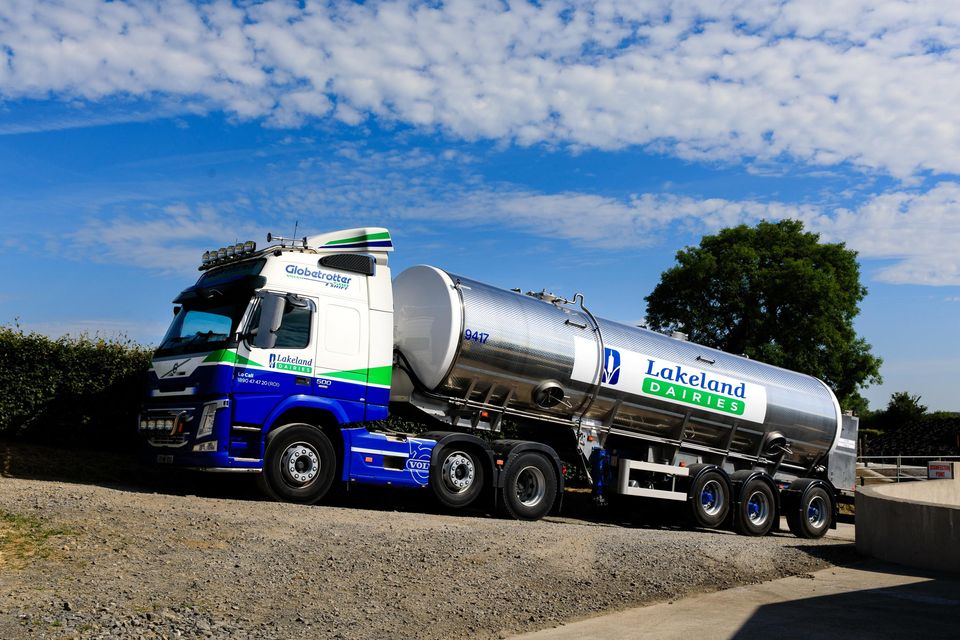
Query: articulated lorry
{"type": "Point", "coordinates": [280, 359]}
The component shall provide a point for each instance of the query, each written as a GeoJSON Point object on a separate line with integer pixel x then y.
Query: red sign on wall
{"type": "Point", "coordinates": [940, 470]}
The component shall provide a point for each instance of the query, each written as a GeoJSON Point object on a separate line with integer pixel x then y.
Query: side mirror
{"type": "Point", "coordinates": [271, 315]}
{"type": "Point", "coordinates": [296, 301]}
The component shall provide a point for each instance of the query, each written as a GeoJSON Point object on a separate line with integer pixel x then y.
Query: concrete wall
{"type": "Point", "coordinates": [912, 523]}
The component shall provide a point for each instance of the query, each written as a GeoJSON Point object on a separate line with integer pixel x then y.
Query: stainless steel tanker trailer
{"type": "Point", "coordinates": [652, 416]}
{"type": "Point", "coordinates": [283, 362]}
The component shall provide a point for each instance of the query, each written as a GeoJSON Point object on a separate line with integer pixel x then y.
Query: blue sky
{"type": "Point", "coordinates": [561, 145]}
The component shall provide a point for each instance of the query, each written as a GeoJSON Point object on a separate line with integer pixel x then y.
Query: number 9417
{"type": "Point", "coordinates": [476, 336]}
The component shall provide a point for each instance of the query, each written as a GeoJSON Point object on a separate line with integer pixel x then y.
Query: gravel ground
{"type": "Point", "coordinates": [125, 554]}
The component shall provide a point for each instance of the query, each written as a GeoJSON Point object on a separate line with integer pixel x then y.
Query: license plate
{"type": "Point", "coordinates": [164, 459]}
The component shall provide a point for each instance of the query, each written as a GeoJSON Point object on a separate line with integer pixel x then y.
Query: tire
{"type": "Point", "coordinates": [529, 486]}
{"type": "Point", "coordinates": [756, 512]}
{"type": "Point", "coordinates": [709, 500]}
{"type": "Point", "coordinates": [814, 516]}
{"type": "Point", "coordinates": [299, 466]}
{"type": "Point", "coordinates": [458, 477]}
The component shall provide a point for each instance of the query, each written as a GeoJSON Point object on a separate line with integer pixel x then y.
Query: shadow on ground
{"type": "Point", "coordinates": [927, 608]}
{"type": "Point", "coordinates": [113, 469]}
{"type": "Point", "coordinates": [126, 471]}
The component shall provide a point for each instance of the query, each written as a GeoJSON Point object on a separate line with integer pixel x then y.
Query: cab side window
{"type": "Point", "coordinates": [294, 331]}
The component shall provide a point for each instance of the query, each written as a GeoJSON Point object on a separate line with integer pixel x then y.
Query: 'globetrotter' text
{"type": "Point", "coordinates": [334, 280]}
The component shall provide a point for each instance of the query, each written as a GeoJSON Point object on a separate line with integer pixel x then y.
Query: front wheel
{"type": "Point", "coordinates": [529, 487]}
{"type": "Point", "coordinates": [756, 512]}
{"type": "Point", "coordinates": [813, 517]}
{"type": "Point", "coordinates": [709, 499]}
{"type": "Point", "coordinates": [457, 478]}
{"type": "Point", "coordinates": [299, 466]}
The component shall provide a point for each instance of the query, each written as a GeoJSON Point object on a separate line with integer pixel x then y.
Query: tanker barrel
{"type": "Point", "coordinates": [466, 339]}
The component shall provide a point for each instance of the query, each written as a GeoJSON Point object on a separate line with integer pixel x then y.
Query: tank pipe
{"type": "Point", "coordinates": [596, 388]}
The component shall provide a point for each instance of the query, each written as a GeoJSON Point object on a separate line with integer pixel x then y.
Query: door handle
{"type": "Point", "coordinates": [302, 380]}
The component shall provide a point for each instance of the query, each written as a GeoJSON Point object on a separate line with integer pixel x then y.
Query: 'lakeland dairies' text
{"type": "Point", "coordinates": [702, 380]}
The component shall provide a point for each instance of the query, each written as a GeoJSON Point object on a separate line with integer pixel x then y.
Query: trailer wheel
{"type": "Point", "coordinates": [813, 517]}
{"type": "Point", "coordinates": [299, 465]}
{"type": "Point", "coordinates": [756, 512]}
{"type": "Point", "coordinates": [458, 477]}
{"type": "Point", "coordinates": [709, 499]}
{"type": "Point", "coordinates": [529, 487]}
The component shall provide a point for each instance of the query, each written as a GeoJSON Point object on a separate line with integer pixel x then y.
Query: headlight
{"type": "Point", "coordinates": [207, 419]}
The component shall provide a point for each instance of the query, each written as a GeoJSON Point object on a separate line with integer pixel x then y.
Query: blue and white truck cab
{"type": "Point", "coordinates": [278, 358]}
{"type": "Point", "coordinates": [275, 355]}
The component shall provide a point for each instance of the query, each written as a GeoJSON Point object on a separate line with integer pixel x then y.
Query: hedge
{"type": "Point", "coordinates": [70, 390]}
{"type": "Point", "coordinates": [933, 434]}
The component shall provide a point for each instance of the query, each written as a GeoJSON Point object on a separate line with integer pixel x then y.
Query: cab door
{"type": "Point", "coordinates": [343, 354]}
{"type": "Point", "coordinates": [268, 372]}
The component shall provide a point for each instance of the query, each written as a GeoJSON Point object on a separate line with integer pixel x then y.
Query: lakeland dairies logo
{"type": "Point", "coordinates": [334, 280]}
{"type": "Point", "coordinates": [611, 367]}
{"type": "Point", "coordinates": [633, 373]}
{"type": "Point", "coordinates": [700, 388]}
{"type": "Point", "coordinates": [291, 363]}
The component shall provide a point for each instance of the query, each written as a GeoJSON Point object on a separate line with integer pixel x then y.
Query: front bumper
{"type": "Point", "coordinates": [199, 436]}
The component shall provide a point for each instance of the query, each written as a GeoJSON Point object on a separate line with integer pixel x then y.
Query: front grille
{"type": "Point", "coordinates": [168, 441]}
{"type": "Point", "coordinates": [166, 427]}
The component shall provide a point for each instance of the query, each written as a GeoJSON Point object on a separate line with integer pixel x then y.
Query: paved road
{"type": "Point", "coordinates": [869, 599]}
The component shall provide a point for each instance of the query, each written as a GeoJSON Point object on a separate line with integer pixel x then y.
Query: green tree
{"type": "Point", "coordinates": [773, 293]}
{"type": "Point", "coordinates": [902, 409]}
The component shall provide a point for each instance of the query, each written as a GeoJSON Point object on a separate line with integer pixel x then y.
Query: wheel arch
{"type": "Point", "coordinates": [465, 440]}
{"type": "Point", "coordinates": [324, 415]}
{"type": "Point", "coordinates": [697, 470]}
{"type": "Point", "coordinates": [504, 449]}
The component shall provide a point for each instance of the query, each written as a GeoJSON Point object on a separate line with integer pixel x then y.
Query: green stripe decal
{"type": "Point", "coordinates": [374, 375]}
{"type": "Point", "coordinates": [692, 395]}
{"type": "Point", "coordinates": [384, 235]}
{"type": "Point", "coordinates": [230, 357]}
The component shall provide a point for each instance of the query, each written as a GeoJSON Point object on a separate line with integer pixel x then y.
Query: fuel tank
{"type": "Point", "coordinates": [550, 358]}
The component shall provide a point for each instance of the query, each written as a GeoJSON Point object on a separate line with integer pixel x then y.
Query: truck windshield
{"type": "Point", "coordinates": [203, 327]}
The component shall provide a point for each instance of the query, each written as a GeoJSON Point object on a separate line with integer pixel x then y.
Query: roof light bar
{"type": "Point", "coordinates": [231, 252]}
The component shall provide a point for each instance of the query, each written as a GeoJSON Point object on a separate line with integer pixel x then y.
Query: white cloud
{"type": "Point", "coordinates": [171, 240]}
{"type": "Point", "coordinates": [872, 82]}
{"type": "Point", "coordinates": [914, 234]}
{"type": "Point", "coordinates": [920, 231]}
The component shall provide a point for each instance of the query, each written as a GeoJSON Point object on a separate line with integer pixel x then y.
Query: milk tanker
{"type": "Point", "coordinates": [304, 355]}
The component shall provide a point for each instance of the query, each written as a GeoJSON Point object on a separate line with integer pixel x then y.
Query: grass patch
{"type": "Point", "coordinates": [26, 538]}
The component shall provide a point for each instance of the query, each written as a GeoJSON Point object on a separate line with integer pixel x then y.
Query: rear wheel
{"type": "Point", "coordinates": [299, 465]}
{"type": "Point", "coordinates": [529, 487]}
{"type": "Point", "coordinates": [457, 479]}
{"type": "Point", "coordinates": [814, 516]}
{"type": "Point", "coordinates": [709, 499]}
{"type": "Point", "coordinates": [756, 511]}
